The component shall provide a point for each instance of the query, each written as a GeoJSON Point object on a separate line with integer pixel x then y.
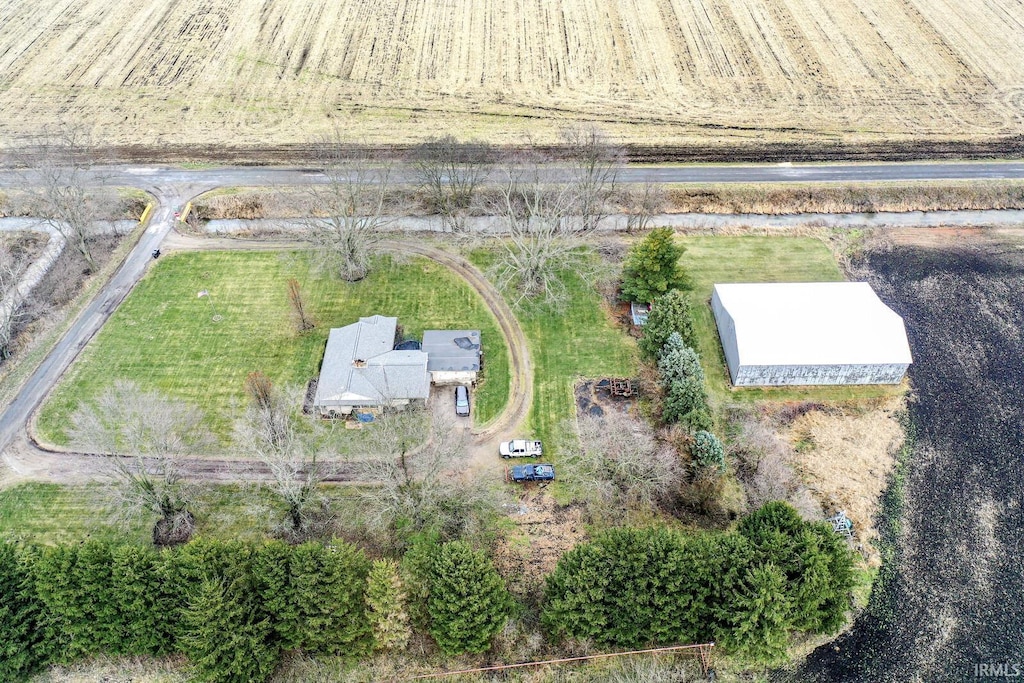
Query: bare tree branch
{"type": "Point", "coordinates": [147, 435]}
{"type": "Point", "coordinates": [62, 158]}
{"type": "Point", "coordinates": [12, 298]}
{"type": "Point", "coordinates": [450, 172]}
{"type": "Point", "coordinates": [346, 213]}
{"type": "Point", "coordinates": [271, 432]}
{"type": "Point", "coordinates": [543, 235]}
{"type": "Point", "coordinates": [594, 163]}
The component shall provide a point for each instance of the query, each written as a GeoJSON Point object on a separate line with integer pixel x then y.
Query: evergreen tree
{"type": "Point", "coordinates": [760, 615]}
{"type": "Point", "coordinates": [816, 563]}
{"type": "Point", "coordinates": [76, 585]}
{"type": "Point", "coordinates": [468, 601]}
{"type": "Point", "coordinates": [652, 267]}
{"type": "Point", "coordinates": [142, 601]}
{"type": "Point", "coordinates": [227, 640]}
{"type": "Point", "coordinates": [20, 615]}
{"type": "Point", "coordinates": [626, 588]}
{"type": "Point", "coordinates": [671, 312]}
{"type": "Point", "coordinates": [707, 451]}
{"type": "Point", "coordinates": [327, 599]}
{"type": "Point", "coordinates": [386, 606]}
{"type": "Point", "coordinates": [682, 379]}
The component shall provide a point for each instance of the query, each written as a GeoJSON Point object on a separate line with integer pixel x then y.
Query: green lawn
{"type": "Point", "coordinates": [581, 341]}
{"type": "Point", "coordinates": [51, 514]}
{"type": "Point", "coordinates": [721, 259]}
{"type": "Point", "coordinates": [163, 336]}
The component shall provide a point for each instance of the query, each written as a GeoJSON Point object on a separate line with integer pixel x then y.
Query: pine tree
{"type": "Point", "coordinates": [652, 267]}
{"type": "Point", "coordinates": [671, 312]}
{"type": "Point", "coordinates": [468, 601]}
{"type": "Point", "coordinates": [707, 451]}
{"type": "Point", "coordinates": [142, 601]}
{"type": "Point", "coordinates": [682, 378]}
{"type": "Point", "coordinates": [327, 594]}
{"type": "Point", "coordinates": [386, 606]}
{"type": "Point", "coordinates": [226, 637]}
{"type": "Point", "coordinates": [20, 615]}
{"type": "Point", "coordinates": [760, 616]}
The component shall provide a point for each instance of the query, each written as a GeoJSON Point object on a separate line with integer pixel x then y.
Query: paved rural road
{"type": "Point", "coordinates": [173, 186]}
{"type": "Point", "coordinates": [149, 176]}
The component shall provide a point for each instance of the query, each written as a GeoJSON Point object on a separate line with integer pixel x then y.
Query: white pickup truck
{"type": "Point", "coordinates": [520, 448]}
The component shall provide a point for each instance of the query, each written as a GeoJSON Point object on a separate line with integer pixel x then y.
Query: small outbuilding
{"type": "Point", "coordinates": [809, 333]}
{"type": "Point", "coordinates": [453, 356]}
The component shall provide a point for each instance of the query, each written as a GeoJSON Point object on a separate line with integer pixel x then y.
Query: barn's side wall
{"type": "Point", "coordinates": [727, 334]}
{"type": "Point", "coordinates": [782, 375]}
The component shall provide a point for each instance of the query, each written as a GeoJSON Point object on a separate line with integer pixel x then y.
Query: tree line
{"type": "Point", "coordinates": [747, 590]}
{"type": "Point", "coordinates": [234, 607]}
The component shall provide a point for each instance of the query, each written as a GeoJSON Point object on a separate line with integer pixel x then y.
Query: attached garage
{"type": "Point", "coordinates": [809, 333]}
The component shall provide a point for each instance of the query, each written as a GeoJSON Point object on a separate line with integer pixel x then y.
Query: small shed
{"type": "Point", "coordinates": [639, 312]}
{"type": "Point", "coordinates": [809, 333]}
{"type": "Point", "coordinates": [453, 356]}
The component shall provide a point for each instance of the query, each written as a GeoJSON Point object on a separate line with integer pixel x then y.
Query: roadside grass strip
{"type": "Point", "coordinates": [167, 337]}
{"type": "Point", "coordinates": [721, 259]}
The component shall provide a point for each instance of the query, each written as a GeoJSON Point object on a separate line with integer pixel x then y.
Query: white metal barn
{"type": "Point", "coordinates": [809, 333]}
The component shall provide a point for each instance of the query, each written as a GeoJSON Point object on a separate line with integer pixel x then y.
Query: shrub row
{"type": "Point", "coordinates": [233, 607]}
{"type": "Point", "coordinates": [745, 590]}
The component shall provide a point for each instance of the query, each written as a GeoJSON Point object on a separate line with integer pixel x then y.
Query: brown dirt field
{"type": "Point", "coordinates": [844, 457]}
{"type": "Point", "coordinates": [711, 72]}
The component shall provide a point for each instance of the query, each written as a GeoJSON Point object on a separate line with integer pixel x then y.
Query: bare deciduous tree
{"type": "Point", "coordinates": [449, 173]}
{"type": "Point", "coordinates": [303, 320]}
{"type": "Point", "coordinates": [13, 310]}
{"type": "Point", "coordinates": [618, 466]}
{"type": "Point", "coordinates": [345, 213]}
{"type": "Point", "coordinates": [61, 191]}
{"type": "Point", "coordinates": [642, 204]}
{"type": "Point", "coordinates": [594, 164]}
{"type": "Point", "coordinates": [272, 433]}
{"type": "Point", "coordinates": [146, 434]}
{"type": "Point", "coordinates": [543, 235]}
{"type": "Point", "coordinates": [417, 462]}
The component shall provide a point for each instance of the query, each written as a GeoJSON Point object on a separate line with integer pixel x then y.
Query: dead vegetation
{"type": "Point", "coordinates": [249, 72]}
{"type": "Point", "coordinates": [822, 458]}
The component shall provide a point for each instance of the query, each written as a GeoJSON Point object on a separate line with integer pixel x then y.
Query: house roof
{"type": "Point", "coordinates": [361, 368]}
{"type": "Point", "coordinates": [452, 350]}
{"type": "Point", "coordinates": [817, 323]}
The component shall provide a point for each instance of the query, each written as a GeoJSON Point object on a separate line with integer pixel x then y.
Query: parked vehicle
{"type": "Point", "coordinates": [531, 473]}
{"type": "Point", "coordinates": [462, 401]}
{"type": "Point", "coordinates": [520, 448]}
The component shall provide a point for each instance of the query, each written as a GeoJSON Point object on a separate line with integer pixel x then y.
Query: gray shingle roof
{"type": "Point", "coordinates": [361, 369]}
{"type": "Point", "coordinates": [452, 350]}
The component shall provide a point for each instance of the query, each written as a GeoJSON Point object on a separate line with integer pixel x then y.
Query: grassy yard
{"type": "Point", "coordinates": [581, 341]}
{"type": "Point", "coordinates": [164, 337]}
{"type": "Point", "coordinates": [723, 259]}
{"type": "Point", "coordinates": [51, 514]}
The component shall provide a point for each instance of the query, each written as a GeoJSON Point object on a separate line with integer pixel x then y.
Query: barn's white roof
{"type": "Point", "coordinates": [818, 323]}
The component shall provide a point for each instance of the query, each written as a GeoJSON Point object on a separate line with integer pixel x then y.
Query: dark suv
{"type": "Point", "coordinates": [462, 401]}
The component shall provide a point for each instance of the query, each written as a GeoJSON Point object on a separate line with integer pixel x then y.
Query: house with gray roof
{"type": "Point", "coordinates": [362, 370]}
{"type": "Point", "coordinates": [453, 356]}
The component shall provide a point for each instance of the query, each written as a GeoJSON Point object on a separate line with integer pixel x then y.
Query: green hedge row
{"type": "Point", "coordinates": [232, 607]}
{"type": "Point", "coordinates": [746, 590]}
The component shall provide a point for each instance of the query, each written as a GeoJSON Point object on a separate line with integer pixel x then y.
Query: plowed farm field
{"type": "Point", "coordinates": [654, 71]}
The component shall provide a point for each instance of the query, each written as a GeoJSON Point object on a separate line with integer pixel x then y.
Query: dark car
{"type": "Point", "coordinates": [531, 473]}
{"type": "Point", "coordinates": [462, 401]}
